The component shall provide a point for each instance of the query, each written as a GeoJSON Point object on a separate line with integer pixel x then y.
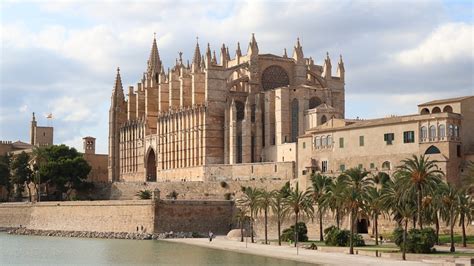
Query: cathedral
{"type": "Point", "coordinates": [226, 118]}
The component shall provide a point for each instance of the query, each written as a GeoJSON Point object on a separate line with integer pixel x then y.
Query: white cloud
{"type": "Point", "coordinates": [446, 43]}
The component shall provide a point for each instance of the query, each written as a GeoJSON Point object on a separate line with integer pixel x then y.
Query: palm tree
{"type": "Point", "coordinates": [299, 202]}
{"type": "Point", "coordinates": [278, 209]}
{"type": "Point", "coordinates": [465, 207]}
{"type": "Point", "coordinates": [319, 190]}
{"type": "Point", "coordinates": [242, 217]}
{"type": "Point", "coordinates": [264, 203]}
{"type": "Point", "coordinates": [450, 205]}
{"type": "Point", "coordinates": [334, 198]}
{"type": "Point", "coordinates": [250, 200]}
{"type": "Point", "coordinates": [358, 185]}
{"type": "Point", "coordinates": [419, 174]}
{"type": "Point", "coordinates": [406, 211]}
{"type": "Point", "coordinates": [375, 207]}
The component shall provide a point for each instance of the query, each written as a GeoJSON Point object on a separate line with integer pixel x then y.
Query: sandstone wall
{"type": "Point", "coordinates": [194, 216]}
{"type": "Point", "coordinates": [101, 216]}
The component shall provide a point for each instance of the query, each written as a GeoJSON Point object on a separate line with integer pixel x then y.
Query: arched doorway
{"type": "Point", "coordinates": [151, 166]}
{"type": "Point", "coordinates": [362, 226]}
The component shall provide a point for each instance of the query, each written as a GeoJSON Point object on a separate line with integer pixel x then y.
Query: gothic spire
{"type": "Point", "coordinates": [285, 55]}
{"type": "Point", "coordinates": [214, 58]}
{"type": "Point", "coordinates": [118, 89]}
{"type": "Point", "coordinates": [298, 52]}
{"type": "Point", "coordinates": [340, 69]}
{"type": "Point", "coordinates": [253, 46]}
{"type": "Point", "coordinates": [197, 54]}
{"type": "Point", "coordinates": [154, 62]}
{"type": "Point", "coordinates": [238, 52]}
{"type": "Point", "coordinates": [327, 67]}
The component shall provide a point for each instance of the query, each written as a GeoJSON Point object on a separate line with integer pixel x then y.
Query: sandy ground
{"type": "Point", "coordinates": [287, 252]}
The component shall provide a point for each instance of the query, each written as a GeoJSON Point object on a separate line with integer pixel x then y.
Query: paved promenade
{"type": "Point", "coordinates": [287, 252]}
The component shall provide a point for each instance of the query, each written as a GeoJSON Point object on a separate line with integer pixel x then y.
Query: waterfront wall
{"type": "Point", "coordinates": [194, 216]}
{"type": "Point", "coordinates": [99, 216]}
{"type": "Point", "coordinates": [121, 216]}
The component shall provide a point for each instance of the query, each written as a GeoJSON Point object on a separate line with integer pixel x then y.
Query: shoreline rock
{"type": "Point", "coordinates": [105, 235]}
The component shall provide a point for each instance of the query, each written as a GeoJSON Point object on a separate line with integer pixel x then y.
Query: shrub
{"type": "Point", "coordinates": [172, 195]}
{"type": "Point", "coordinates": [228, 196]}
{"type": "Point", "coordinates": [289, 233]}
{"type": "Point", "coordinates": [223, 184]}
{"type": "Point", "coordinates": [144, 194]}
{"type": "Point", "coordinates": [340, 238]}
{"type": "Point", "coordinates": [418, 241]}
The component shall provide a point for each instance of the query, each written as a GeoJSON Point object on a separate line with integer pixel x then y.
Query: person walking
{"type": "Point", "coordinates": [211, 235]}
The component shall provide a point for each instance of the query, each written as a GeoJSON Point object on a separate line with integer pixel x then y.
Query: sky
{"type": "Point", "coordinates": [61, 57]}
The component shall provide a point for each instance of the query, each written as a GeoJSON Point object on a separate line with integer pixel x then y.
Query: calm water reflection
{"type": "Point", "coordinates": [55, 250]}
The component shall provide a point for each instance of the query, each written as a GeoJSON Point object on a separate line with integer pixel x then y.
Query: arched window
{"type": "Point", "coordinates": [432, 150]}
{"type": "Point", "coordinates": [329, 141]}
{"type": "Point", "coordinates": [240, 106]}
{"type": "Point", "coordinates": [386, 165]}
{"type": "Point", "coordinates": [451, 131]}
{"type": "Point", "coordinates": [274, 77]}
{"type": "Point", "coordinates": [448, 109]}
{"type": "Point", "coordinates": [318, 142]}
{"type": "Point", "coordinates": [424, 132]}
{"type": "Point", "coordinates": [323, 119]}
{"type": "Point", "coordinates": [432, 132]}
{"type": "Point", "coordinates": [294, 120]}
{"type": "Point", "coordinates": [442, 131]}
{"type": "Point", "coordinates": [314, 102]}
{"type": "Point", "coordinates": [436, 110]}
{"type": "Point", "coordinates": [425, 111]}
{"type": "Point", "coordinates": [456, 131]}
{"type": "Point", "coordinates": [324, 141]}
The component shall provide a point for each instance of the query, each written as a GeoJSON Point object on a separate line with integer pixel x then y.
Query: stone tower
{"type": "Point", "coordinates": [89, 145]}
{"type": "Point", "coordinates": [117, 116]}
{"type": "Point", "coordinates": [33, 129]}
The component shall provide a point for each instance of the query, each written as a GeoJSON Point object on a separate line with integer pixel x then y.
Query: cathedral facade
{"type": "Point", "coordinates": [232, 118]}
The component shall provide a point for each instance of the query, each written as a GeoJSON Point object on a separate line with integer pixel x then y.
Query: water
{"type": "Point", "coordinates": [38, 250]}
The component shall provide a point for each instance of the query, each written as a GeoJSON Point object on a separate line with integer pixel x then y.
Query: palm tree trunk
{"type": "Point", "coordinates": [463, 225]}
{"type": "Point", "coordinates": [437, 228]}
{"type": "Point", "coordinates": [251, 226]}
{"type": "Point", "coordinates": [279, 230]}
{"type": "Point", "coordinates": [29, 191]}
{"type": "Point", "coordinates": [376, 233]}
{"type": "Point", "coordinates": [266, 235]}
{"type": "Point", "coordinates": [420, 223]}
{"type": "Point", "coordinates": [351, 249]}
{"type": "Point", "coordinates": [337, 218]}
{"type": "Point", "coordinates": [321, 237]}
{"type": "Point", "coordinates": [405, 240]}
{"type": "Point", "coordinates": [241, 230]}
{"type": "Point", "coordinates": [452, 249]}
{"type": "Point", "coordinates": [296, 229]}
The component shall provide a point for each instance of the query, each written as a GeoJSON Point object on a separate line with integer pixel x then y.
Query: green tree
{"type": "Point", "coordinates": [21, 174]}
{"type": "Point", "coordinates": [375, 207]}
{"type": "Point", "coordinates": [242, 217]}
{"type": "Point", "coordinates": [406, 210]}
{"type": "Point", "coordinates": [465, 209]}
{"type": "Point", "coordinates": [278, 209]}
{"type": "Point", "coordinates": [419, 174]}
{"type": "Point", "coordinates": [334, 198]}
{"type": "Point", "coordinates": [319, 190]}
{"type": "Point", "coordinates": [63, 167]}
{"type": "Point", "coordinates": [358, 185]}
{"type": "Point", "coordinates": [264, 204]}
{"type": "Point", "coordinates": [5, 173]}
{"type": "Point", "coordinates": [299, 203]}
{"type": "Point", "coordinates": [250, 200]}
{"type": "Point", "coordinates": [450, 207]}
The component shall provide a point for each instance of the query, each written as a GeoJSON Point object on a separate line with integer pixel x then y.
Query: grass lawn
{"type": "Point", "coordinates": [454, 254]}
{"type": "Point", "coordinates": [446, 239]}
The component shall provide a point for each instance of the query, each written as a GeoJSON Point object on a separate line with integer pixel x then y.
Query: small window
{"type": "Point", "coordinates": [361, 141]}
{"type": "Point", "coordinates": [304, 145]}
{"type": "Point", "coordinates": [318, 142]}
{"type": "Point", "coordinates": [360, 166]}
{"type": "Point", "coordinates": [408, 136]}
{"type": "Point", "coordinates": [324, 141]}
{"type": "Point", "coordinates": [329, 140]}
{"type": "Point", "coordinates": [389, 138]}
{"type": "Point", "coordinates": [372, 165]}
{"type": "Point", "coordinates": [424, 132]}
{"type": "Point", "coordinates": [324, 166]}
{"type": "Point", "coordinates": [341, 142]}
{"type": "Point", "coordinates": [442, 131]}
{"type": "Point", "coordinates": [276, 168]}
{"type": "Point", "coordinates": [304, 172]}
{"type": "Point", "coordinates": [386, 165]}
{"type": "Point", "coordinates": [342, 167]}
{"type": "Point", "coordinates": [458, 150]}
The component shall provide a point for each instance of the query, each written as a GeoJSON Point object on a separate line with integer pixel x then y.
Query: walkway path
{"type": "Point", "coordinates": [287, 252]}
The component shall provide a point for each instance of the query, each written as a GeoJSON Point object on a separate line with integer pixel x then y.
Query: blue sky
{"type": "Point", "coordinates": [61, 56]}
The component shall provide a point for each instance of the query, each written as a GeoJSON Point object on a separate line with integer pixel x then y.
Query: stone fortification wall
{"type": "Point", "coordinates": [195, 190]}
{"type": "Point", "coordinates": [100, 216]}
{"type": "Point", "coordinates": [194, 216]}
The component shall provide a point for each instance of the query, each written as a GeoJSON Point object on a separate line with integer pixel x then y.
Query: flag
{"type": "Point", "coordinates": [49, 116]}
